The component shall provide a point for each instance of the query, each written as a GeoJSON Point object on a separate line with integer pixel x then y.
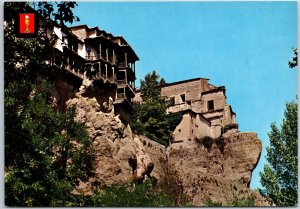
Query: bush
{"type": "Point", "coordinates": [243, 203]}
{"type": "Point", "coordinates": [128, 195]}
{"type": "Point", "coordinates": [211, 203]}
{"type": "Point", "coordinates": [236, 203]}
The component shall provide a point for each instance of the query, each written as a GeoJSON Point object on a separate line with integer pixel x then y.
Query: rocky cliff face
{"type": "Point", "coordinates": [219, 170]}
{"type": "Point", "coordinates": [120, 156]}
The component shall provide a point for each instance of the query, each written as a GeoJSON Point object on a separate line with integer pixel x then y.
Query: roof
{"type": "Point", "coordinates": [69, 32]}
{"type": "Point", "coordinates": [184, 81]}
{"type": "Point", "coordinates": [111, 37]}
{"type": "Point", "coordinates": [220, 88]}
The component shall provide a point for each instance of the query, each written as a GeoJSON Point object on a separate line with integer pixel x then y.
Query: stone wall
{"type": "Point", "coordinates": [191, 90]}
{"type": "Point", "coordinates": [218, 98]}
{"type": "Point", "coordinates": [194, 126]}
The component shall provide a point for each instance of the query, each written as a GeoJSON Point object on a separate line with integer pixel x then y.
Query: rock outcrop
{"type": "Point", "coordinates": [120, 156]}
{"type": "Point", "coordinates": [219, 170]}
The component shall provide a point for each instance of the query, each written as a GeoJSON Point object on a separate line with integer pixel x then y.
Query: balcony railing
{"type": "Point", "coordinates": [123, 65]}
{"type": "Point", "coordinates": [99, 57]}
{"type": "Point", "coordinates": [92, 57]}
{"type": "Point", "coordinates": [121, 97]}
{"type": "Point", "coordinates": [121, 82]}
{"type": "Point", "coordinates": [73, 70]}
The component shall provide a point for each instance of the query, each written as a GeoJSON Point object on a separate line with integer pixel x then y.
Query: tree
{"type": "Point", "coordinates": [294, 62]}
{"type": "Point", "coordinates": [146, 194]}
{"type": "Point", "coordinates": [47, 153]}
{"type": "Point", "coordinates": [151, 86]}
{"type": "Point", "coordinates": [280, 176]}
{"type": "Point", "coordinates": [150, 118]}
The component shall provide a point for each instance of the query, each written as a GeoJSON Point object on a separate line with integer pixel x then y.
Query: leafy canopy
{"type": "Point", "coordinates": [46, 152]}
{"type": "Point", "coordinates": [280, 176]}
{"type": "Point", "coordinates": [142, 195]}
{"type": "Point", "coordinates": [150, 117]}
{"type": "Point", "coordinates": [294, 62]}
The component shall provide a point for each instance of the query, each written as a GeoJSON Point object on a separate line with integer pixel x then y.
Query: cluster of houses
{"type": "Point", "coordinates": [108, 60]}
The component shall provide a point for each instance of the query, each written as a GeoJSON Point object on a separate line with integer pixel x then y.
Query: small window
{"type": "Point", "coordinates": [182, 97]}
{"type": "Point", "coordinates": [172, 101]}
{"type": "Point", "coordinates": [179, 130]}
{"type": "Point", "coordinates": [210, 105]}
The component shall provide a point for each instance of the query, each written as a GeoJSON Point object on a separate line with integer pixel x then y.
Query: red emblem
{"type": "Point", "coordinates": [27, 23]}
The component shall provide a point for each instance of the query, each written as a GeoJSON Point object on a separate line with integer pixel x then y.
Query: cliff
{"type": "Point", "coordinates": [219, 170]}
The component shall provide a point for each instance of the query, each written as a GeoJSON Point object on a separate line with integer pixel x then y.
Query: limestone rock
{"type": "Point", "coordinates": [219, 170]}
{"type": "Point", "coordinates": [120, 156]}
{"type": "Point", "coordinates": [216, 169]}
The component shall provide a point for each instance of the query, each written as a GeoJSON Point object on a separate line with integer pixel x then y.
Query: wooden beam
{"type": "Point", "coordinates": [99, 69]}
{"type": "Point", "coordinates": [114, 61]}
{"type": "Point", "coordinates": [106, 54]}
{"type": "Point", "coordinates": [100, 56]}
{"type": "Point", "coordinates": [105, 71]}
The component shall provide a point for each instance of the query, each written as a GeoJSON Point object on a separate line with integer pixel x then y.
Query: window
{"type": "Point", "coordinates": [182, 97]}
{"type": "Point", "coordinates": [172, 101]}
{"type": "Point", "coordinates": [210, 105]}
{"type": "Point", "coordinates": [179, 130]}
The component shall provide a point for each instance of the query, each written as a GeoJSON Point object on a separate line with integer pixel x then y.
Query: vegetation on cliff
{"type": "Point", "coordinates": [150, 117]}
{"type": "Point", "coordinates": [46, 151]}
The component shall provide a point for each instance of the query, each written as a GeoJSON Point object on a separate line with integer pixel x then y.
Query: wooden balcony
{"type": "Point", "coordinates": [121, 98]}
{"type": "Point", "coordinates": [101, 59]}
{"type": "Point", "coordinates": [125, 84]}
{"type": "Point", "coordinates": [75, 71]}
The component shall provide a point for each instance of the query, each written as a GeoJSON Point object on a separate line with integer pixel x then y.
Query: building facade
{"type": "Point", "coordinates": [204, 108]}
{"type": "Point", "coordinates": [91, 53]}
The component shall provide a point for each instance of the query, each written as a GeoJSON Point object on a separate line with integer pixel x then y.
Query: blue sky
{"type": "Point", "coordinates": [244, 46]}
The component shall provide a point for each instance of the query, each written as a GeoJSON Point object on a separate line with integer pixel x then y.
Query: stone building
{"type": "Point", "coordinates": [105, 59]}
{"type": "Point", "coordinates": [204, 108]}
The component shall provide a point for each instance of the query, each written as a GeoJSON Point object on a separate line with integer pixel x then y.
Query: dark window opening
{"type": "Point", "coordinates": [179, 130]}
{"type": "Point", "coordinates": [188, 102]}
{"type": "Point", "coordinates": [210, 105]}
{"type": "Point", "coordinates": [70, 44]}
{"type": "Point", "coordinates": [172, 101]}
{"type": "Point", "coordinates": [182, 97]}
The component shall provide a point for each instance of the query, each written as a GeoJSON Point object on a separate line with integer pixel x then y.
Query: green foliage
{"type": "Point", "coordinates": [150, 118]}
{"type": "Point", "coordinates": [294, 62]}
{"type": "Point", "coordinates": [211, 203]}
{"type": "Point", "coordinates": [236, 203]}
{"type": "Point", "coordinates": [280, 176]}
{"type": "Point", "coordinates": [243, 203]}
{"type": "Point", "coordinates": [127, 195]}
{"type": "Point", "coordinates": [46, 152]}
{"type": "Point", "coordinates": [151, 86]}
